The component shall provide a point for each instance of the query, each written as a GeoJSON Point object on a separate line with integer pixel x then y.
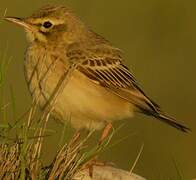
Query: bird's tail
{"type": "Point", "coordinates": [145, 105]}
{"type": "Point", "coordinates": [153, 109]}
{"type": "Point", "coordinates": [171, 121]}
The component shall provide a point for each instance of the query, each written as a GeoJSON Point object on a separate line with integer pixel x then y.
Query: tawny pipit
{"type": "Point", "coordinates": [99, 87]}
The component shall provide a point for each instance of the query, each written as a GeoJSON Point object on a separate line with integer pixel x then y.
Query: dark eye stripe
{"type": "Point", "coordinates": [47, 24]}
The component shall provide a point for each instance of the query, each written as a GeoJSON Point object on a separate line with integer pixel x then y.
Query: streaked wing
{"type": "Point", "coordinates": [105, 67]}
{"type": "Point", "coordinates": [108, 72]}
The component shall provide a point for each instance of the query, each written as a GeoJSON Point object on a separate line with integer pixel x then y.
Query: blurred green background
{"type": "Point", "coordinates": [158, 38]}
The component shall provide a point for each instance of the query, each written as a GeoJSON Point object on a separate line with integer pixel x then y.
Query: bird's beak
{"type": "Point", "coordinates": [20, 22]}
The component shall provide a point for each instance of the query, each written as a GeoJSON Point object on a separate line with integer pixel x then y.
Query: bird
{"type": "Point", "coordinates": [99, 87]}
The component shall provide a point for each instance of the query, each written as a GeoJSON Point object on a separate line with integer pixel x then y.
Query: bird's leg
{"type": "Point", "coordinates": [94, 162]}
{"type": "Point", "coordinates": [105, 132]}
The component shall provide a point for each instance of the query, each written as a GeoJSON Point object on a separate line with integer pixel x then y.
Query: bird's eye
{"type": "Point", "coordinates": [47, 24]}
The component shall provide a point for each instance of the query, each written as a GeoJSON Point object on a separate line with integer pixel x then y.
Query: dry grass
{"type": "Point", "coordinates": [20, 158]}
{"type": "Point", "coordinates": [9, 161]}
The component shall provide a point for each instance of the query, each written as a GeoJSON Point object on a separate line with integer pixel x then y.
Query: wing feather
{"type": "Point", "coordinates": [104, 66]}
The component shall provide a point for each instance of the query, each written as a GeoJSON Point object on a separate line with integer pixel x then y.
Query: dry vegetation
{"type": "Point", "coordinates": [20, 158]}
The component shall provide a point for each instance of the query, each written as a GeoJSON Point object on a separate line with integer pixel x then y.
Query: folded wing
{"type": "Point", "coordinates": [104, 66]}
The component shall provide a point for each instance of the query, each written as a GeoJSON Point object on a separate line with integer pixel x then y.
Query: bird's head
{"type": "Point", "coordinates": [51, 24]}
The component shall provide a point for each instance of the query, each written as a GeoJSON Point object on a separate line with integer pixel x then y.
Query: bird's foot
{"type": "Point", "coordinates": [94, 162]}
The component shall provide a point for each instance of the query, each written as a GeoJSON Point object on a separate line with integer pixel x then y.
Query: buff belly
{"type": "Point", "coordinates": [88, 104]}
